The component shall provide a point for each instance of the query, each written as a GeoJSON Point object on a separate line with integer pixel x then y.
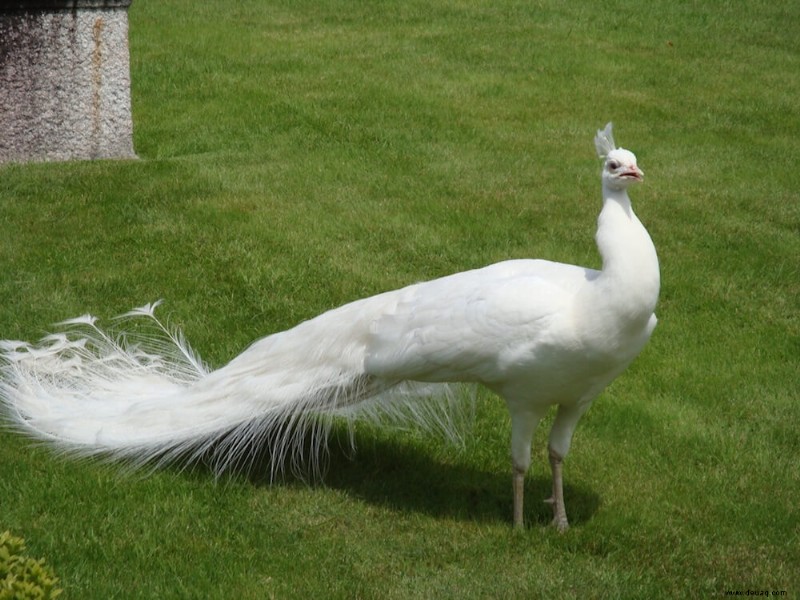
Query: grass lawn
{"type": "Point", "coordinates": [298, 155]}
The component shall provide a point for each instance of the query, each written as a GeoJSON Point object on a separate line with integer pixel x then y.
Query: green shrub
{"type": "Point", "coordinates": [22, 577]}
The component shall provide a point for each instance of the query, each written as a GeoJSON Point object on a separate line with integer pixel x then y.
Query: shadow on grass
{"type": "Point", "coordinates": [406, 478]}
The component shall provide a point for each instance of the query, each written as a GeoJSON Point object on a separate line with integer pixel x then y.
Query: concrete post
{"type": "Point", "coordinates": [64, 80]}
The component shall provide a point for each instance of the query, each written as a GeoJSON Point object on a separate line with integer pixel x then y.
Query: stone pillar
{"type": "Point", "coordinates": [64, 80]}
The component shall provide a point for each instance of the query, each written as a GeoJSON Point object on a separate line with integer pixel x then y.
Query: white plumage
{"type": "Point", "coordinates": [537, 333]}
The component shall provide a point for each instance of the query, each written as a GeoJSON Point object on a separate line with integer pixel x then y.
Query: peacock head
{"type": "Point", "coordinates": [619, 168]}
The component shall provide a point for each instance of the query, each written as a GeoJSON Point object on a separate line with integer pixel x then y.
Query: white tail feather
{"type": "Point", "coordinates": [144, 396]}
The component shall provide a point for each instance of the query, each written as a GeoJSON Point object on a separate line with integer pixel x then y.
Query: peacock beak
{"type": "Point", "coordinates": [634, 173]}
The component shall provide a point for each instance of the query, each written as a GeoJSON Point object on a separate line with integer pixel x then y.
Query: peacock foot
{"type": "Point", "coordinates": [560, 524]}
{"type": "Point", "coordinates": [559, 517]}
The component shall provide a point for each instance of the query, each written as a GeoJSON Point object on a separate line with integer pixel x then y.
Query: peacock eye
{"type": "Point", "coordinates": [613, 165]}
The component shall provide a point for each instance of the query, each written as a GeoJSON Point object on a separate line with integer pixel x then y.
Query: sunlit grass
{"type": "Point", "coordinates": [295, 156]}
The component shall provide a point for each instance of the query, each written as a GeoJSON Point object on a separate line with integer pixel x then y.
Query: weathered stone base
{"type": "Point", "coordinates": [65, 81]}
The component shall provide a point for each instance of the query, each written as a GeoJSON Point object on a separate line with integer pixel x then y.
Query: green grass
{"type": "Point", "coordinates": [298, 155]}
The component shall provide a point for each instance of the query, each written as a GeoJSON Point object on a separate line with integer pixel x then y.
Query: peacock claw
{"type": "Point", "coordinates": [560, 525]}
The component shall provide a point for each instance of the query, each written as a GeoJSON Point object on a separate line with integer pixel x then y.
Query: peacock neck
{"type": "Point", "coordinates": [629, 280]}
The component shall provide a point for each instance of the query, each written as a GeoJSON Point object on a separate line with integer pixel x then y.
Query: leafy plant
{"type": "Point", "coordinates": [23, 577]}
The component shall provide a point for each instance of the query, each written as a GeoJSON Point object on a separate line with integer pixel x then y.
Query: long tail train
{"type": "Point", "coordinates": [145, 397]}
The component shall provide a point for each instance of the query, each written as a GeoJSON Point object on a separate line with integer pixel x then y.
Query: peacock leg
{"type": "Point", "coordinates": [564, 425]}
{"type": "Point", "coordinates": [519, 492]}
{"type": "Point", "coordinates": [523, 424]}
{"type": "Point", "coordinates": [557, 500]}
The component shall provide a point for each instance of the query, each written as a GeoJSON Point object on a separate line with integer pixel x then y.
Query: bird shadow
{"type": "Point", "coordinates": [402, 476]}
